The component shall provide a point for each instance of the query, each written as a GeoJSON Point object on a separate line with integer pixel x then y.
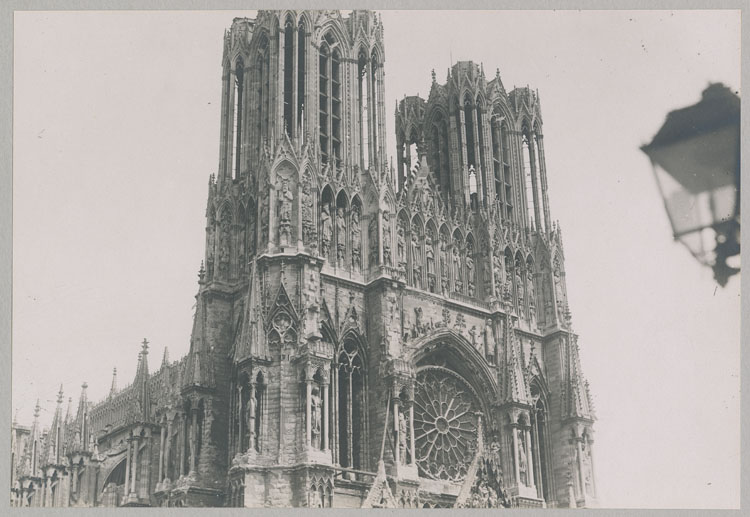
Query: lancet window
{"type": "Point", "coordinates": [330, 101]}
{"type": "Point", "coordinates": [540, 445]}
{"type": "Point", "coordinates": [439, 153]}
{"type": "Point", "coordinates": [539, 173]}
{"type": "Point", "coordinates": [301, 75]}
{"type": "Point", "coordinates": [350, 394]}
{"type": "Point", "coordinates": [363, 106]}
{"type": "Point", "coordinates": [289, 33]}
{"type": "Point", "coordinates": [375, 82]}
{"type": "Point", "coordinates": [263, 96]}
{"type": "Point", "coordinates": [479, 114]}
{"type": "Point", "coordinates": [527, 174]}
{"type": "Point", "coordinates": [238, 97]}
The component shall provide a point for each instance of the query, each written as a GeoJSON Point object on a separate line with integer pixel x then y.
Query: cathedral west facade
{"type": "Point", "coordinates": [365, 334]}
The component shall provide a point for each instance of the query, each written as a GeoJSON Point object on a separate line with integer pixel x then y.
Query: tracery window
{"type": "Point", "coordinates": [527, 171]}
{"type": "Point", "coordinates": [301, 63]}
{"type": "Point", "coordinates": [539, 173]}
{"type": "Point", "coordinates": [237, 116]}
{"type": "Point", "coordinates": [445, 423]}
{"type": "Point", "coordinates": [481, 159]}
{"type": "Point", "coordinates": [439, 148]}
{"type": "Point", "coordinates": [375, 73]}
{"type": "Point", "coordinates": [363, 108]}
{"type": "Point", "coordinates": [351, 406]}
{"type": "Point", "coordinates": [264, 70]}
{"type": "Point", "coordinates": [508, 183]}
{"type": "Point", "coordinates": [289, 34]}
{"type": "Point", "coordinates": [539, 443]}
{"type": "Point", "coordinates": [330, 101]}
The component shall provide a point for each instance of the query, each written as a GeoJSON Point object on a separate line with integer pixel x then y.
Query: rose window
{"type": "Point", "coordinates": [445, 423]}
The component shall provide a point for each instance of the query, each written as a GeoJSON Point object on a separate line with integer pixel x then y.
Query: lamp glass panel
{"type": "Point", "coordinates": [724, 200]}
{"type": "Point", "coordinates": [701, 245]}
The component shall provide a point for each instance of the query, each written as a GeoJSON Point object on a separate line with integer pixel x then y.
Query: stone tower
{"type": "Point", "coordinates": [363, 335]}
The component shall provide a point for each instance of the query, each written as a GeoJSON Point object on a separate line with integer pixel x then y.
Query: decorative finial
{"type": "Point", "coordinates": [434, 80]}
{"type": "Point", "coordinates": [201, 272]}
{"type": "Point", "coordinates": [60, 395]}
{"type": "Point", "coordinates": [37, 408]}
{"type": "Point", "coordinates": [84, 385]}
{"type": "Point", "coordinates": [144, 346]}
{"type": "Point", "coordinates": [497, 73]}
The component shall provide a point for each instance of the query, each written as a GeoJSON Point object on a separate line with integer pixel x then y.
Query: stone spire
{"type": "Point", "coordinates": [69, 411]}
{"type": "Point", "coordinates": [80, 436]}
{"type": "Point", "coordinates": [55, 436]}
{"type": "Point", "coordinates": [140, 384]}
{"type": "Point", "coordinates": [113, 389]}
{"type": "Point", "coordinates": [514, 386]}
{"type": "Point", "coordinates": [199, 368]}
{"type": "Point", "coordinates": [165, 357]}
{"type": "Point", "coordinates": [33, 447]}
{"type": "Point", "coordinates": [576, 397]}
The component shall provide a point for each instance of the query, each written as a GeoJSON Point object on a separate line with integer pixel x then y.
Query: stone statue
{"type": "Point", "coordinates": [340, 236]}
{"type": "Point", "coordinates": [250, 421]}
{"type": "Point", "coordinates": [386, 238]}
{"type": "Point", "coordinates": [315, 501]}
{"type": "Point", "coordinates": [522, 461]}
{"type": "Point", "coordinates": [372, 238]}
{"type": "Point", "coordinates": [401, 247]}
{"type": "Point", "coordinates": [416, 260]}
{"type": "Point", "coordinates": [587, 468]}
{"type": "Point", "coordinates": [224, 239]}
{"type": "Point", "coordinates": [285, 202]}
{"type": "Point", "coordinates": [519, 289]}
{"type": "Point", "coordinates": [473, 334]}
{"type": "Point", "coordinates": [457, 276]}
{"type": "Point", "coordinates": [402, 437]}
{"type": "Point", "coordinates": [470, 273]}
{"type": "Point", "coordinates": [430, 254]}
{"type": "Point", "coordinates": [489, 340]}
{"type": "Point", "coordinates": [497, 270]}
{"type": "Point", "coordinates": [326, 230]}
{"type": "Point", "coordinates": [419, 327]}
{"type": "Point", "coordinates": [356, 239]}
{"type": "Point", "coordinates": [264, 216]}
{"type": "Point", "coordinates": [308, 228]}
{"type": "Point", "coordinates": [444, 284]}
{"type": "Point", "coordinates": [315, 417]}
{"type": "Point", "coordinates": [559, 293]}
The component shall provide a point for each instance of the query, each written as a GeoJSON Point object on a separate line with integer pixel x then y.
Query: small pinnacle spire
{"type": "Point", "coordinates": [113, 389]}
{"type": "Point", "coordinates": [60, 395]}
{"type": "Point", "coordinates": [36, 410]}
{"type": "Point", "coordinates": [165, 357]}
{"type": "Point", "coordinates": [434, 80]}
{"type": "Point", "coordinates": [69, 412]}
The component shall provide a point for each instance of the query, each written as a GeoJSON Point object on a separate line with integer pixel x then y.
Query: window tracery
{"type": "Point", "coordinates": [445, 422]}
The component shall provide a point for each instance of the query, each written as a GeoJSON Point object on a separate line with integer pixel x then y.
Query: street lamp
{"type": "Point", "coordinates": [696, 161]}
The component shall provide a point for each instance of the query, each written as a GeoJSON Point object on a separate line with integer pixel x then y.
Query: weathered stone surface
{"type": "Point", "coordinates": [344, 317]}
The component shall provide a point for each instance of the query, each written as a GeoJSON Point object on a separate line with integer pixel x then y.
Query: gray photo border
{"type": "Point", "coordinates": [7, 8]}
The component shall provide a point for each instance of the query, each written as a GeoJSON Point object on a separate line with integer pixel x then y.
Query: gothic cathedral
{"type": "Point", "coordinates": [365, 335]}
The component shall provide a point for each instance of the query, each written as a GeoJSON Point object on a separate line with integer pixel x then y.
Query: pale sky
{"type": "Point", "coordinates": [116, 130]}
